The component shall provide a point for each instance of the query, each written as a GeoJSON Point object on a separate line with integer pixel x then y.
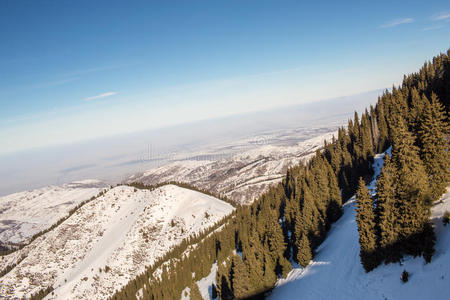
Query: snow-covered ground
{"type": "Point", "coordinates": [109, 241]}
{"type": "Point", "coordinates": [336, 271]}
{"type": "Point", "coordinates": [241, 177]}
{"type": "Point", "coordinates": [205, 284]}
{"type": "Point", "coordinates": [24, 214]}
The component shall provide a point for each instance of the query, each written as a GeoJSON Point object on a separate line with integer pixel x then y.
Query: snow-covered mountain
{"type": "Point", "coordinates": [24, 214]}
{"type": "Point", "coordinates": [336, 271]}
{"type": "Point", "coordinates": [242, 177]}
{"type": "Point", "coordinates": [109, 241]}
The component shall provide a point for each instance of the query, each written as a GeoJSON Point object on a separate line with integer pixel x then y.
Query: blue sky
{"type": "Point", "coordinates": [75, 70]}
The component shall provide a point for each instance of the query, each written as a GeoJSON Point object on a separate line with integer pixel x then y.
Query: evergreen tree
{"type": "Point", "coordinates": [417, 107]}
{"type": "Point", "coordinates": [254, 261]}
{"type": "Point", "coordinates": [195, 292]}
{"type": "Point", "coordinates": [335, 200]}
{"type": "Point", "coordinates": [269, 277]}
{"type": "Point", "coordinates": [304, 254]}
{"type": "Point", "coordinates": [240, 283]}
{"type": "Point", "coordinates": [433, 134]}
{"type": "Point", "coordinates": [224, 287]}
{"type": "Point", "coordinates": [382, 127]}
{"type": "Point", "coordinates": [365, 218]}
{"type": "Point", "coordinates": [387, 211]}
{"type": "Point", "coordinates": [374, 128]}
{"type": "Point", "coordinates": [414, 198]}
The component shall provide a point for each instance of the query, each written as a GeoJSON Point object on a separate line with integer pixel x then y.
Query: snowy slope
{"type": "Point", "coordinates": [336, 271]}
{"type": "Point", "coordinates": [125, 230]}
{"type": "Point", "coordinates": [242, 177]}
{"type": "Point", "coordinates": [24, 214]}
{"type": "Point", "coordinates": [205, 284]}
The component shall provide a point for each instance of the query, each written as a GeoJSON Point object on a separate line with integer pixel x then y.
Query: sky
{"type": "Point", "coordinates": [77, 70]}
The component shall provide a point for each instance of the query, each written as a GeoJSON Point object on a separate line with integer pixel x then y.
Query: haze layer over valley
{"type": "Point", "coordinates": [114, 159]}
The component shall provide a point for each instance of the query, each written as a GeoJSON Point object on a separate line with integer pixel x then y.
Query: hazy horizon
{"type": "Point", "coordinates": [114, 158]}
{"type": "Point", "coordinates": [88, 87]}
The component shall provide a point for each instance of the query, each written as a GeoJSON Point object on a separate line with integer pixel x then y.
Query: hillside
{"type": "Point", "coordinates": [242, 177]}
{"type": "Point", "coordinates": [291, 221]}
{"type": "Point", "coordinates": [109, 241]}
{"type": "Point", "coordinates": [24, 214]}
{"type": "Point", "coordinates": [336, 271]}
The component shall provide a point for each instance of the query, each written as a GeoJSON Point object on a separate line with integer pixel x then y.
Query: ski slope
{"type": "Point", "coordinates": [336, 272]}
{"type": "Point", "coordinates": [109, 241]}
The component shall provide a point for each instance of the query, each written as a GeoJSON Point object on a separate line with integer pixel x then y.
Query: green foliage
{"type": "Point", "coordinates": [195, 292]}
{"type": "Point", "coordinates": [304, 254]}
{"type": "Point", "coordinates": [412, 190]}
{"type": "Point", "coordinates": [240, 278]}
{"type": "Point", "coordinates": [388, 227]}
{"type": "Point", "coordinates": [432, 136]}
{"type": "Point", "coordinates": [365, 218]}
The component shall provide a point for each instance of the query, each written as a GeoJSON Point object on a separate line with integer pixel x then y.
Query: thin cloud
{"type": "Point", "coordinates": [90, 70]}
{"type": "Point", "coordinates": [104, 95]}
{"type": "Point", "coordinates": [440, 17]}
{"type": "Point", "coordinates": [432, 28]}
{"type": "Point", "coordinates": [55, 83]}
{"type": "Point", "coordinates": [397, 22]}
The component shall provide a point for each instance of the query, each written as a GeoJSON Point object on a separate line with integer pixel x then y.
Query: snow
{"type": "Point", "coordinates": [336, 271]}
{"type": "Point", "coordinates": [186, 294]}
{"type": "Point", "coordinates": [125, 229]}
{"type": "Point", "coordinates": [24, 214]}
{"type": "Point", "coordinates": [241, 177]}
{"type": "Point", "coordinates": [205, 284]}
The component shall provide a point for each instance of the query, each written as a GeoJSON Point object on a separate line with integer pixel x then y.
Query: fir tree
{"type": "Point", "coordinates": [382, 127]}
{"type": "Point", "coordinates": [195, 292]}
{"type": "Point", "coordinates": [387, 212]}
{"type": "Point", "coordinates": [240, 283]}
{"type": "Point", "coordinates": [434, 146]}
{"type": "Point", "coordinates": [254, 261]}
{"type": "Point", "coordinates": [335, 200]}
{"type": "Point", "coordinates": [365, 218]}
{"type": "Point", "coordinates": [304, 254]}
{"type": "Point", "coordinates": [414, 198]}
